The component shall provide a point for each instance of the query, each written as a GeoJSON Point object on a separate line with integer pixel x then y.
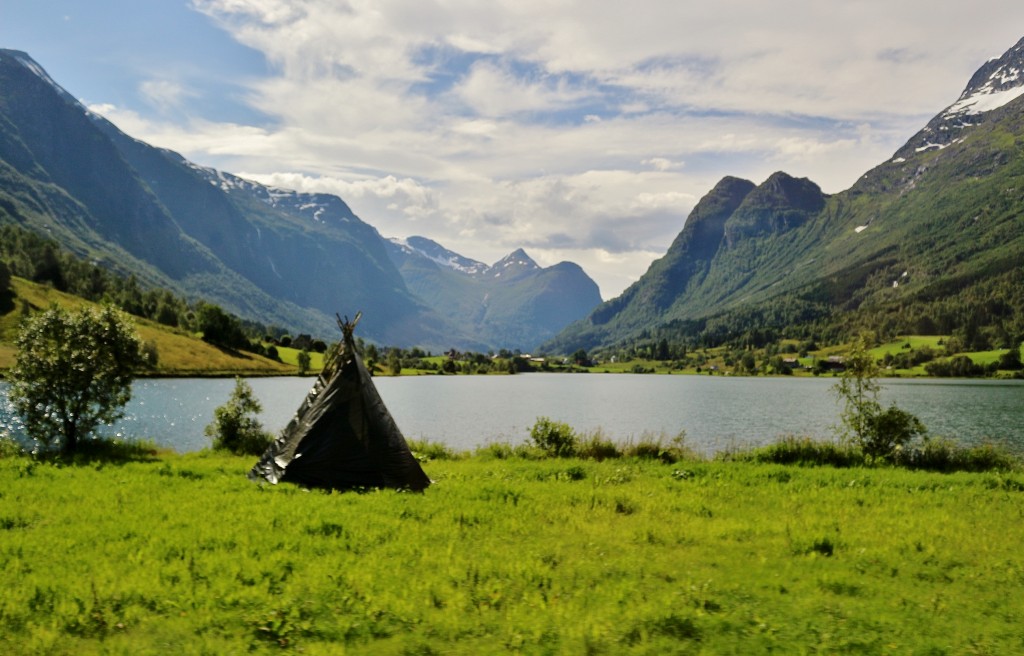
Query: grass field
{"type": "Point", "coordinates": [290, 356]}
{"type": "Point", "coordinates": [181, 554]}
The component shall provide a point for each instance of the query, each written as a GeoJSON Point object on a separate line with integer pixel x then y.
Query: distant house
{"type": "Point", "coordinates": [792, 363]}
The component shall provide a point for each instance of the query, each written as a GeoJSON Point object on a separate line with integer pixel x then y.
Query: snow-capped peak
{"type": "Point", "coordinates": [440, 255]}
{"type": "Point", "coordinates": [998, 82]}
{"type": "Point", "coordinates": [995, 93]}
{"type": "Point", "coordinates": [25, 60]}
{"type": "Point", "coordinates": [517, 258]}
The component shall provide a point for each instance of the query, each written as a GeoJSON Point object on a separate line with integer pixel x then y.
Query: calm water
{"type": "Point", "coordinates": [466, 412]}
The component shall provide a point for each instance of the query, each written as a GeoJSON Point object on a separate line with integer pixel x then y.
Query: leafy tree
{"type": "Point", "coordinates": [73, 372]}
{"type": "Point", "coordinates": [303, 360]}
{"type": "Point", "coordinates": [394, 362]}
{"type": "Point", "coordinates": [150, 354]}
{"type": "Point", "coordinates": [6, 296]}
{"type": "Point", "coordinates": [959, 366]}
{"type": "Point", "coordinates": [236, 426]}
{"type": "Point", "coordinates": [5, 276]}
{"type": "Point", "coordinates": [876, 431]}
{"type": "Point", "coordinates": [1010, 360]}
{"type": "Point", "coordinates": [219, 327]}
{"type": "Point", "coordinates": [858, 389]}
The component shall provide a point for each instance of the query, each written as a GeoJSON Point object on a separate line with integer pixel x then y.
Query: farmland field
{"type": "Point", "coordinates": [180, 553]}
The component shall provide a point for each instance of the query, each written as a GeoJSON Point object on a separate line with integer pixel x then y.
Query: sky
{"type": "Point", "coordinates": [580, 130]}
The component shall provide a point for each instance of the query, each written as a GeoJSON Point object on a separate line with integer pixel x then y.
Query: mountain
{"type": "Point", "coordinates": [272, 255]}
{"type": "Point", "coordinates": [514, 303]}
{"type": "Point", "coordinates": [930, 241]}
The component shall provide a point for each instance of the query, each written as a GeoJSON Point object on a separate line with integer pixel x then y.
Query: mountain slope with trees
{"type": "Point", "coordinates": [271, 255]}
{"type": "Point", "coordinates": [931, 242]}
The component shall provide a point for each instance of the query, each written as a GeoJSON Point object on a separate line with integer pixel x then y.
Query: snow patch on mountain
{"type": "Point", "coordinates": [998, 83]}
{"type": "Point", "coordinates": [984, 100]}
{"type": "Point", "coordinates": [37, 70]}
{"type": "Point", "coordinates": [317, 207]}
{"type": "Point", "coordinates": [440, 255]}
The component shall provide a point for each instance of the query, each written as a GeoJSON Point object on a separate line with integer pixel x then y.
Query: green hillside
{"type": "Point", "coordinates": [178, 353]}
{"type": "Point", "coordinates": [929, 242]}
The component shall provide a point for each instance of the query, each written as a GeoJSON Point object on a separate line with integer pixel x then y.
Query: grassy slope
{"type": "Point", "coordinates": [179, 353]}
{"type": "Point", "coordinates": [556, 556]}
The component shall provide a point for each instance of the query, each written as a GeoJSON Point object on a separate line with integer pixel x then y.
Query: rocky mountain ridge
{"type": "Point", "coordinates": [514, 302]}
{"type": "Point", "coordinates": [273, 255]}
{"type": "Point", "coordinates": [930, 241]}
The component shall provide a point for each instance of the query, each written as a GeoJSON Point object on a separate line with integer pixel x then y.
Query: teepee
{"type": "Point", "coordinates": [342, 436]}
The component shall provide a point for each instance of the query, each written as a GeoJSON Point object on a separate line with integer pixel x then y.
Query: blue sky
{"type": "Point", "coordinates": [579, 130]}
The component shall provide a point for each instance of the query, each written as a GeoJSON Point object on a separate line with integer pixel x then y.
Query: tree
{"type": "Point", "coordinates": [876, 431]}
{"type": "Point", "coordinates": [219, 327]}
{"type": "Point", "coordinates": [236, 426]}
{"type": "Point", "coordinates": [73, 372]}
{"type": "Point", "coordinates": [394, 362]}
{"type": "Point", "coordinates": [6, 296]}
{"type": "Point", "coordinates": [5, 277]}
{"type": "Point", "coordinates": [304, 361]}
{"type": "Point", "coordinates": [1010, 361]}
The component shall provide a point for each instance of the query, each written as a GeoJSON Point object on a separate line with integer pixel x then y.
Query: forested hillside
{"type": "Point", "coordinates": [929, 242]}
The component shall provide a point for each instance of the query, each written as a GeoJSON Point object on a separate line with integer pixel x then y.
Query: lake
{"type": "Point", "coordinates": [465, 412]}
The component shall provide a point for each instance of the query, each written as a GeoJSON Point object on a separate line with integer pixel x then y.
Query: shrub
{"type": "Point", "coordinates": [959, 366]}
{"type": "Point", "coordinates": [554, 438]}
{"type": "Point", "coordinates": [792, 450]}
{"type": "Point", "coordinates": [889, 430]}
{"type": "Point", "coordinates": [1010, 361]}
{"type": "Point", "coordinates": [505, 451]}
{"type": "Point", "coordinates": [235, 426]}
{"type": "Point", "coordinates": [657, 448]}
{"type": "Point", "coordinates": [597, 447]}
{"type": "Point", "coordinates": [9, 447]}
{"type": "Point", "coordinates": [425, 450]}
{"type": "Point", "coordinates": [150, 354]}
{"type": "Point", "coordinates": [943, 455]}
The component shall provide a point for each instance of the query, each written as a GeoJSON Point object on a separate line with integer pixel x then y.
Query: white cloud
{"type": "Point", "coordinates": [662, 164]}
{"type": "Point", "coordinates": [573, 128]}
{"type": "Point", "coordinates": [165, 94]}
{"type": "Point", "coordinates": [492, 90]}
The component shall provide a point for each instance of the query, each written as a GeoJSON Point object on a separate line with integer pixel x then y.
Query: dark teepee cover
{"type": "Point", "coordinates": [342, 436]}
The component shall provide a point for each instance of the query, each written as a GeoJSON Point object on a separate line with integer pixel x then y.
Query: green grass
{"type": "Point", "coordinates": [155, 553]}
{"type": "Point", "coordinates": [290, 356]}
{"type": "Point", "coordinates": [986, 357]}
{"type": "Point", "coordinates": [934, 342]}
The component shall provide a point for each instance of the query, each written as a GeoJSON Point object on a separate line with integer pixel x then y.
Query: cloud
{"type": "Point", "coordinates": [492, 90]}
{"type": "Point", "coordinates": [573, 128]}
{"type": "Point", "coordinates": [165, 94]}
{"type": "Point", "coordinates": [662, 164]}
